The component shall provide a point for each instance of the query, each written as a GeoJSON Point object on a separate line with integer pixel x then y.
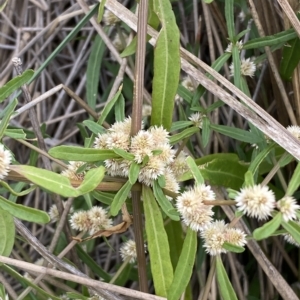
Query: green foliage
{"type": "Point", "coordinates": [225, 287]}
{"type": "Point", "coordinates": [166, 66]}
{"type": "Point", "coordinates": [23, 212]}
{"type": "Point", "coordinates": [294, 182]}
{"type": "Point", "coordinates": [184, 268]}
{"type": "Point", "coordinates": [164, 202]}
{"type": "Point", "coordinates": [268, 228]}
{"type": "Point", "coordinates": [72, 153]}
{"type": "Point", "coordinates": [290, 59]}
{"type": "Point", "coordinates": [15, 84]}
{"type": "Point", "coordinates": [120, 198]}
{"type": "Point", "coordinates": [195, 171]}
{"type": "Point", "coordinates": [93, 69]}
{"type": "Point", "coordinates": [158, 246]}
{"type": "Point", "coordinates": [7, 232]}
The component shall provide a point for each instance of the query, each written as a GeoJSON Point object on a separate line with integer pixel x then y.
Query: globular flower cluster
{"type": "Point", "coordinates": [197, 119]}
{"type": "Point", "coordinates": [256, 201]}
{"type": "Point", "coordinates": [259, 202]}
{"type": "Point", "coordinates": [198, 216]}
{"type": "Point", "coordinates": [90, 221]}
{"type": "Point", "coordinates": [5, 160]}
{"type": "Point", "coordinates": [53, 212]}
{"type": "Point", "coordinates": [238, 44]}
{"type": "Point", "coordinates": [193, 211]}
{"type": "Point", "coordinates": [109, 18]}
{"type": "Point", "coordinates": [150, 149]}
{"type": "Point", "coordinates": [248, 67]}
{"type": "Point", "coordinates": [217, 233]}
{"type": "Point", "coordinates": [294, 130]}
{"type": "Point", "coordinates": [128, 251]}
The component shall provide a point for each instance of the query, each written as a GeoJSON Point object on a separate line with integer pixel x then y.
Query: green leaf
{"type": "Point", "coordinates": [108, 107]}
{"type": "Point", "coordinates": [293, 229]}
{"type": "Point", "coordinates": [195, 170]}
{"type": "Point", "coordinates": [229, 15]}
{"type": "Point", "coordinates": [7, 232]}
{"type": "Point", "coordinates": [122, 153]}
{"type": "Point", "coordinates": [134, 172]}
{"type": "Point", "coordinates": [185, 266]}
{"type": "Point", "coordinates": [184, 93]}
{"type": "Point", "coordinates": [23, 212]}
{"type": "Point", "coordinates": [15, 133]}
{"type": "Point", "coordinates": [205, 131]}
{"type": "Point", "coordinates": [91, 180]}
{"type": "Point", "coordinates": [249, 180]}
{"type": "Point", "coordinates": [70, 153]}
{"type": "Point", "coordinates": [180, 125]}
{"type": "Point", "coordinates": [93, 70]}
{"type": "Point", "coordinates": [260, 157]}
{"type": "Point", "coordinates": [94, 127]}
{"type": "Point", "coordinates": [158, 246]}
{"type": "Point", "coordinates": [237, 134]}
{"type": "Point", "coordinates": [166, 66]}
{"type": "Point", "coordinates": [164, 203]}
{"type": "Point", "coordinates": [8, 111]}
{"type": "Point", "coordinates": [25, 192]}
{"type": "Point", "coordinates": [76, 296]}
{"type": "Point", "coordinates": [233, 248]}
{"type": "Point", "coordinates": [225, 287]}
{"type": "Point", "coordinates": [103, 197]}
{"type": "Point", "coordinates": [182, 135]}
{"type": "Point", "coordinates": [161, 180]}
{"type": "Point", "coordinates": [101, 11]}
{"type": "Point", "coordinates": [276, 39]}
{"type": "Point", "coordinates": [294, 182]}
{"type": "Point", "coordinates": [51, 181]}
{"type": "Point", "coordinates": [120, 198]}
{"type": "Point", "coordinates": [290, 59]}
{"type": "Point", "coordinates": [268, 228]}
{"type": "Point", "coordinates": [14, 84]}
{"type": "Point", "coordinates": [221, 172]}
{"type": "Point", "coordinates": [215, 105]}
{"type": "Point", "coordinates": [120, 109]}
{"type": "Point", "coordinates": [236, 65]}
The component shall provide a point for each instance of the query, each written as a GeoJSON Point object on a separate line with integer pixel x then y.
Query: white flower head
{"type": "Point", "coordinates": [5, 160]}
{"type": "Point", "coordinates": [193, 211]}
{"type": "Point", "coordinates": [124, 126]}
{"type": "Point", "coordinates": [101, 141]}
{"type": "Point", "coordinates": [197, 119]}
{"type": "Point", "coordinates": [99, 219]}
{"type": "Point", "coordinates": [146, 110]}
{"type": "Point", "coordinates": [179, 165]}
{"type": "Point", "coordinates": [214, 237]}
{"type": "Point", "coordinates": [128, 251]}
{"type": "Point", "coordinates": [141, 145]}
{"type": "Point", "coordinates": [288, 207]}
{"type": "Point", "coordinates": [118, 140]}
{"type": "Point", "coordinates": [188, 84]}
{"type": "Point", "coordinates": [239, 45]}
{"type": "Point", "coordinates": [235, 236]}
{"type": "Point", "coordinates": [80, 221]}
{"type": "Point", "coordinates": [53, 212]}
{"type": "Point", "coordinates": [256, 201]}
{"type": "Point", "coordinates": [247, 67]}
{"type": "Point", "coordinates": [294, 130]}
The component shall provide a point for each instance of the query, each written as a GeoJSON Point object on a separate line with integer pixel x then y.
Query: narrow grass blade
{"type": "Point", "coordinates": [7, 232]}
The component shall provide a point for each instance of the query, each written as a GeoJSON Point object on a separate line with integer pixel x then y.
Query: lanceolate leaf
{"type": "Point", "coordinates": [93, 70]}
{"type": "Point", "coordinates": [14, 84]}
{"type": "Point", "coordinates": [185, 266]}
{"type": "Point", "coordinates": [294, 182]}
{"type": "Point", "coordinates": [158, 246]}
{"type": "Point", "coordinates": [120, 198]}
{"type": "Point", "coordinates": [82, 154]}
{"type": "Point", "coordinates": [8, 111]}
{"type": "Point", "coordinates": [195, 170]}
{"type": "Point", "coordinates": [225, 287]}
{"type": "Point", "coordinates": [293, 229]}
{"type": "Point", "coordinates": [91, 180]}
{"type": "Point", "coordinates": [23, 212]}
{"type": "Point", "coordinates": [166, 65]}
{"type": "Point", "coordinates": [164, 203]}
{"type": "Point", "coordinates": [7, 233]}
{"type": "Point", "coordinates": [229, 15]}
{"type": "Point", "coordinates": [268, 228]}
